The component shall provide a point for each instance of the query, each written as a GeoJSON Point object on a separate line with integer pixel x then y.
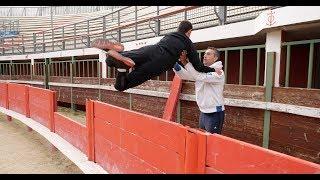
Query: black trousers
{"type": "Point", "coordinates": [150, 61]}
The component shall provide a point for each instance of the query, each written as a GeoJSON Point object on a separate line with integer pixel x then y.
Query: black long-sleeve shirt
{"type": "Point", "coordinates": [155, 59]}
{"type": "Point", "coordinates": [176, 42]}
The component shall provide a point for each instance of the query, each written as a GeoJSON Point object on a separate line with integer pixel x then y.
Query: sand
{"type": "Point", "coordinates": [26, 152]}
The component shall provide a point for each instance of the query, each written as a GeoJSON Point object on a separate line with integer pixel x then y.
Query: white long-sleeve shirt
{"type": "Point", "coordinates": [208, 86]}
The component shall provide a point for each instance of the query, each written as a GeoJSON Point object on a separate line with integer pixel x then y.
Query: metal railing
{"type": "Point", "coordinates": [56, 10]}
{"type": "Point", "coordinates": [91, 68]}
{"type": "Point", "coordinates": [225, 52]}
{"type": "Point", "coordinates": [288, 46]}
{"type": "Point", "coordinates": [130, 23]}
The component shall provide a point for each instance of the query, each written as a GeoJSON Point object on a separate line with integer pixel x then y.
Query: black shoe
{"type": "Point", "coordinates": [112, 62]}
{"type": "Point", "coordinates": [119, 57]}
{"type": "Point", "coordinates": [121, 81]}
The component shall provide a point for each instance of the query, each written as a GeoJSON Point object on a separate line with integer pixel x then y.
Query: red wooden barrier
{"type": "Point", "coordinates": [171, 105]}
{"type": "Point", "coordinates": [18, 95]}
{"type": "Point", "coordinates": [72, 131]}
{"type": "Point", "coordinates": [42, 104]}
{"type": "Point", "coordinates": [4, 99]}
{"type": "Point", "coordinates": [196, 144]}
{"type": "Point", "coordinates": [131, 142]}
{"type": "Point", "coordinates": [123, 141]}
{"type": "Point", "coordinates": [4, 95]}
{"type": "Point", "coordinates": [227, 155]}
{"type": "Point", "coordinates": [90, 130]}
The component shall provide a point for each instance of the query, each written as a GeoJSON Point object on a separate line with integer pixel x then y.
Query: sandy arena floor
{"type": "Point", "coordinates": [23, 152]}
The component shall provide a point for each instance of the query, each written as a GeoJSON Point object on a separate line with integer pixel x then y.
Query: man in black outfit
{"type": "Point", "coordinates": [150, 61]}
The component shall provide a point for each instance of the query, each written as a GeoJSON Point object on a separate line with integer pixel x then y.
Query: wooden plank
{"type": "Point", "coordinates": [118, 161]}
{"type": "Point", "coordinates": [18, 98]}
{"type": "Point", "coordinates": [156, 130]}
{"type": "Point", "coordinates": [233, 156]}
{"type": "Point", "coordinates": [171, 104]}
{"type": "Point", "coordinates": [39, 105]}
{"type": "Point", "coordinates": [72, 131]}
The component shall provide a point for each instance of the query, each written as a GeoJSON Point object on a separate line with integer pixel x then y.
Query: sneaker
{"type": "Point", "coordinates": [107, 45]}
{"type": "Point", "coordinates": [117, 56]}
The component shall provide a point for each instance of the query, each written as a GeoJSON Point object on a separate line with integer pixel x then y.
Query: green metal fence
{"type": "Point", "coordinates": [288, 46]}
{"type": "Point", "coordinates": [241, 49]}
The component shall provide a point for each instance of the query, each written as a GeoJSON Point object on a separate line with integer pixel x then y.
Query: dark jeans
{"type": "Point", "coordinates": [212, 122]}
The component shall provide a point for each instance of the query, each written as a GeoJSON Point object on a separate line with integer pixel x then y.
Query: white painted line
{"type": "Point", "coordinates": [74, 154]}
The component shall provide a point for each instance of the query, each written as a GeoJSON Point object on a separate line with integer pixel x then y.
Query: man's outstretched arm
{"type": "Point", "coordinates": [182, 73]}
{"type": "Point", "coordinates": [210, 77]}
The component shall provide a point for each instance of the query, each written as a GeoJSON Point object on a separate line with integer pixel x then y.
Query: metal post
{"type": "Point", "coordinates": [18, 25]}
{"type": "Point", "coordinates": [136, 25]}
{"type": "Point", "coordinates": [157, 25]}
{"type": "Point", "coordinates": [310, 67]}
{"type": "Point", "coordinates": [74, 34]}
{"type": "Point", "coordinates": [288, 65]}
{"type": "Point", "coordinates": [23, 48]}
{"type": "Point", "coordinates": [222, 14]}
{"type": "Point", "coordinates": [104, 26]}
{"type": "Point", "coordinates": [88, 30]}
{"type": "Point", "coordinates": [31, 69]}
{"type": "Point", "coordinates": [52, 35]}
{"type": "Point", "coordinates": [63, 42]}
{"type": "Point", "coordinates": [51, 17]}
{"type": "Point", "coordinates": [130, 101]}
{"type": "Point", "coordinates": [46, 73]}
{"type": "Point", "coordinates": [12, 48]}
{"type": "Point", "coordinates": [109, 72]}
{"type": "Point", "coordinates": [241, 67]}
{"type": "Point", "coordinates": [258, 67]}
{"type": "Point", "coordinates": [73, 107]}
{"type": "Point", "coordinates": [10, 69]}
{"type": "Point", "coordinates": [119, 31]}
{"type": "Point", "coordinates": [225, 66]}
{"type": "Point", "coordinates": [268, 97]}
{"type": "Point", "coordinates": [43, 43]}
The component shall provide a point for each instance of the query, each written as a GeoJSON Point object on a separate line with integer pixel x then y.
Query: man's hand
{"type": "Point", "coordinates": [218, 67]}
{"type": "Point", "coordinates": [183, 57]}
{"type": "Point", "coordinates": [218, 71]}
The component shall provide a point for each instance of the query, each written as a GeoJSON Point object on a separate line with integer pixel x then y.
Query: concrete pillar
{"type": "Point", "coordinates": [104, 70]}
{"type": "Point", "coordinates": [273, 44]}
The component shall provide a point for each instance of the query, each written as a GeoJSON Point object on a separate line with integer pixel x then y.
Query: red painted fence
{"type": "Point", "coordinates": [42, 106]}
{"type": "Point", "coordinates": [72, 131]}
{"type": "Point", "coordinates": [131, 142]}
{"type": "Point", "coordinates": [4, 95]}
{"type": "Point", "coordinates": [18, 98]}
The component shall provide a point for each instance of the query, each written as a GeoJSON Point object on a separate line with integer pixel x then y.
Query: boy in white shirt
{"type": "Point", "coordinates": [208, 89]}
